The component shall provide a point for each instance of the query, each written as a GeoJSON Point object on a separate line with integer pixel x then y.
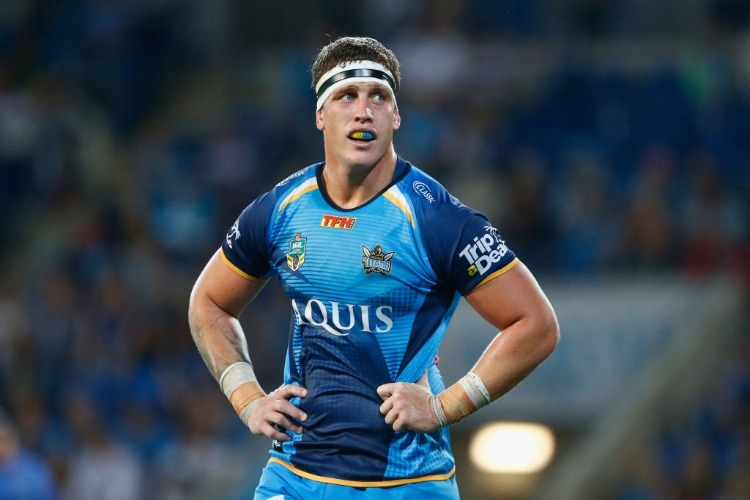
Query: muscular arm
{"type": "Point", "coordinates": [218, 298]}
{"type": "Point", "coordinates": [513, 303]}
{"type": "Point", "coordinates": [216, 302]}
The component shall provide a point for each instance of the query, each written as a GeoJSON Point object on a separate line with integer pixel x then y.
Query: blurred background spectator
{"type": "Point", "coordinates": [602, 138]}
{"type": "Point", "coordinates": [23, 474]}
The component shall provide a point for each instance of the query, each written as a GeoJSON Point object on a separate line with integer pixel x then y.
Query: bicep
{"type": "Point", "coordinates": [221, 286]}
{"type": "Point", "coordinates": [512, 297]}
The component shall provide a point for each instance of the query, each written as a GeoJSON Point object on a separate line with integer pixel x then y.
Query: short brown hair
{"type": "Point", "coordinates": [348, 49]}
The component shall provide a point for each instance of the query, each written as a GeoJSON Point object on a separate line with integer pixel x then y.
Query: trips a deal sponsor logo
{"type": "Point", "coordinates": [486, 250]}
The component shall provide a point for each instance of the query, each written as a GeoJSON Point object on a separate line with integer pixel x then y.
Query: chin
{"type": "Point", "coordinates": [364, 158]}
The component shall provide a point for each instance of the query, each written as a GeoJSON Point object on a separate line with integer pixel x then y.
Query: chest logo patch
{"type": "Point", "coordinates": [295, 257]}
{"type": "Point", "coordinates": [339, 222]}
{"type": "Point", "coordinates": [376, 261]}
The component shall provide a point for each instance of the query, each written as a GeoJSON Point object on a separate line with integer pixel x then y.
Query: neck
{"type": "Point", "coordinates": [351, 185]}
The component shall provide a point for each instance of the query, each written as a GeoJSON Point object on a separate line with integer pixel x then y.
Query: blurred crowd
{"type": "Point", "coordinates": [132, 134]}
{"type": "Point", "coordinates": [703, 454]}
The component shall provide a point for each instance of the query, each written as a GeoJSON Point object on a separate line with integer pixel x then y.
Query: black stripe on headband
{"type": "Point", "coordinates": [353, 73]}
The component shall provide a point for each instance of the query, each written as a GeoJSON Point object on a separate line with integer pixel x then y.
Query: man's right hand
{"type": "Point", "coordinates": [276, 409]}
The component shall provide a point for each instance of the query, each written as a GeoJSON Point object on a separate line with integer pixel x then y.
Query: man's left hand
{"type": "Point", "coordinates": [407, 407]}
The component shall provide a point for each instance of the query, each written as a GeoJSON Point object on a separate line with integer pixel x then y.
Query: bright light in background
{"type": "Point", "coordinates": [512, 447]}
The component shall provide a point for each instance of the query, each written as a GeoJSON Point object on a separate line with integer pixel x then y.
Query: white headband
{"type": "Point", "coordinates": [355, 71]}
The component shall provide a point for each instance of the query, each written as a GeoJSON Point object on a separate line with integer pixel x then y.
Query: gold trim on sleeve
{"type": "Point", "coordinates": [238, 270]}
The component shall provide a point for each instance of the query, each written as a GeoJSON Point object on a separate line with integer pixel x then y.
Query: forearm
{"type": "Point", "coordinates": [222, 345]}
{"type": "Point", "coordinates": [216, 302]}
{"type": "Point", "coordinates": [219, 339]}
{"type": "Point", "coordinates": [511, 356]}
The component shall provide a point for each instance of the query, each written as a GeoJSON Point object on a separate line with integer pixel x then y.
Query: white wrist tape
{"type": "Point", "coordinates": [438, 409]}
{"type": "Point", "coordinates": [235, 375]}
{"type": "Point", "coordinates": [475, 389]}
{"type": "Point", "coordinates": [245, 412]}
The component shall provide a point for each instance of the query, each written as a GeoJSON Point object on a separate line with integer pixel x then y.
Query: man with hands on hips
{"type": "Point", "coordinates": [374, 256]}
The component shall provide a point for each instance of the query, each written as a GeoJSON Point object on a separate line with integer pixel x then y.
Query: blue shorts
{"type": "Point", "coordinates": [279, 483]}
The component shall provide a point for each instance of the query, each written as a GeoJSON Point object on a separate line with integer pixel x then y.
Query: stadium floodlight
{"type": "Point", "coordinates": [512, 447]}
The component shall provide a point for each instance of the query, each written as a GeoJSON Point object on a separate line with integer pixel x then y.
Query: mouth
{"type": "Point", "coordinates": [362, 136]}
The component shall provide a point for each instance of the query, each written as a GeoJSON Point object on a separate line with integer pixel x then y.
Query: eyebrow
{"type": "Point", "coordinates": [372, 87]}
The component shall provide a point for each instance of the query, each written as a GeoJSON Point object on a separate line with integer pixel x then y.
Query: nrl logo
{"type": "Point", "coordinates": [295, 257]}
{"type": "Point", "coordinates": [375, 261]}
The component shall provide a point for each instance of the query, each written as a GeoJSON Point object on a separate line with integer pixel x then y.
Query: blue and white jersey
{"type": "Point", "coordinates": [372, 290]}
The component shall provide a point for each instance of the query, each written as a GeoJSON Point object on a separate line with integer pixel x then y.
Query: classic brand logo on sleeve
{"type": "Point", "coordinates": [421, 188]}
{"type": "Point", "coordinates": [234, 233]}
{"type": "Point", "coordinates": [337, 221]}
{"type": "Point", "coordinates": [486, 250]}
{"type": "Point", "coordinates": [295, 174]}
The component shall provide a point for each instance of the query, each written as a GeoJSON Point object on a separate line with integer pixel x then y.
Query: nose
{"type": "Point", "coordinates": [363, 112]}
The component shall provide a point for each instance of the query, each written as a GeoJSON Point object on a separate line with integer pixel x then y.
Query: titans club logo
{"type": "Point", "coordinates": [376, 261]}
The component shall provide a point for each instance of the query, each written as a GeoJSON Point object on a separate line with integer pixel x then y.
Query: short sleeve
{"type": "Point", "coordinates": [465, 248]}
{"type": "Point", "coordinates": [245, 247]}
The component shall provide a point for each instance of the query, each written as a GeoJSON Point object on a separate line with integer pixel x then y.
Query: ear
{"type": "Point", "coordinates": [319, 122]}
{"type": "Point", "coordinates": [396, 119]}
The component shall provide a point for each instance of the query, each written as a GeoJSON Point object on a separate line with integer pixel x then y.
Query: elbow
{"type": "Point", "coordinates": [192, 309]}
{"type": "Point", "coordinates": [194, 321]}
{"type": "Point", "coordinates": [550, 333]}
{"type": "Point", "coordinates": [198, 312]}
{"type": "Point", "coordinates": [544, 333]}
